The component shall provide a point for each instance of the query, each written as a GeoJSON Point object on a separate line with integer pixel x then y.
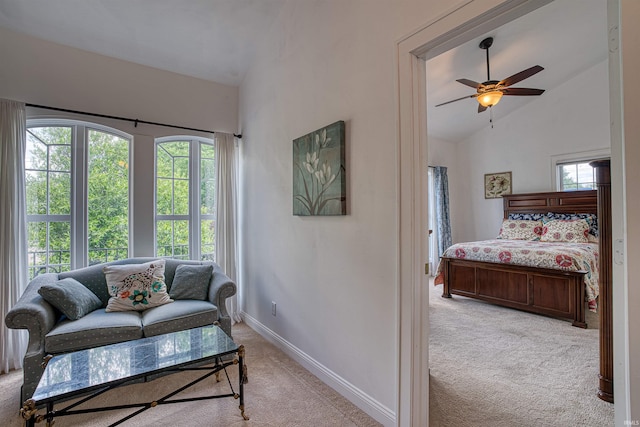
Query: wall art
{"type": "Point", "coordinates": [319, 182]}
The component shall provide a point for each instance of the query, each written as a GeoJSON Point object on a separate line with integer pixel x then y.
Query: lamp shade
{"type": "Point", "coordinates": [489, 99]}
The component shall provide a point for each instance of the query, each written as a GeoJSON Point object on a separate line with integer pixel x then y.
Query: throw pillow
{"type": "Point", "coordinates": [520, 229]}
{"type": "Point", "coordinates": [191, 282]}
{"type": "Point", "coordinates": [591, 219]}
{"type": "Point", "coordinates": [136, 286]}
{"type": "Point", "coordinates": [573, 231]}
{"type": "Point", "coordinates": [71, 297]}
{"type": "Point", "coordinates": [527, 216]}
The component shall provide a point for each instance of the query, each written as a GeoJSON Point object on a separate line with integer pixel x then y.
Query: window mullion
{"type": "Point", "coordinates": [194, 199]}
{"type": "Point", "coordinates": [79, 194]}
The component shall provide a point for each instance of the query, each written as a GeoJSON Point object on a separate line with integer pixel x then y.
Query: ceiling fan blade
{"type": "Point", "coordinates": [521, 76]}
{"type": "Point", "coordinates": [481, 108]}
{"type": "Point", "coordinates": [469, 83]}
{"type": "Point", "coordinates": [522, 91]}
{"type": "Point", "coordinates": [459, 99]}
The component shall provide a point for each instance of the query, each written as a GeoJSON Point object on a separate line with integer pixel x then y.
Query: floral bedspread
{"type": "Point", "coordinates": [558, 256]}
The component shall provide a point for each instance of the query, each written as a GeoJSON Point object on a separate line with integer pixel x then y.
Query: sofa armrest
{"type": "Point", "coordinates": [33, 313]}
{"type": "Point", "coordinates": [221, 288]}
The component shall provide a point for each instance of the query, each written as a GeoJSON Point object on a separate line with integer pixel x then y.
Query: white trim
{"type": "Point", "coordinates": [173, 138]}
{"type": "Point", "coordinates": [362, 400]}
{"type": "Point", "coordinates": [619, 210]}
{"type": "Point", "coordinates": [70, 122]}
{"type": "Point", "coordinates": [557, 160]}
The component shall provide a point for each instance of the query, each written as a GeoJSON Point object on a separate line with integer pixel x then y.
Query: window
{"type": "Point", "coordinates": [185, 198]}
{"type": "Point", "coordinates": [77, 189]}
{"type": "Point", "coordinates": [576, 176]}
{"type": "Point", "coordinates": [571, 172]}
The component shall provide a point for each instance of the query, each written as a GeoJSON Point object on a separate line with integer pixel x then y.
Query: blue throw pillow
{"type": "Point", "coordinates": [191, 282]}
{"type": "Point", "coordinates": [71, 297]}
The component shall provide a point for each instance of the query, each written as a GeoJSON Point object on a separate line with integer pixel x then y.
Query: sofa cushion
{"type": "Point", "coordinates": [95, 329]}
{"type": "Point", "coordinates": [136, 286]}
{"type": "Point", "coordinates": [191, 282]}
{"type": "Point", "coordinates": [177, 316]}
{"type": "Point", "coordinates": [71, 297]}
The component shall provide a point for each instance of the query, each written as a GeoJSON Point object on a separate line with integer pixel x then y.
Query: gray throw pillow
{"type": "Point", "coordinates": [71, 297]}
{"type": "Point", "coordinates": [191, 282]}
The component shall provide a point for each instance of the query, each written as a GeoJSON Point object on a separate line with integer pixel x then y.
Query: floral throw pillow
{"type": "Point", "coordinates": [520, 229]}
{"type": "Point", "coordinates": [574, 231]}
{"type": "Point", "coordinates": [591, 219]}
{"type": "Point", "coordinates": [136, 286]}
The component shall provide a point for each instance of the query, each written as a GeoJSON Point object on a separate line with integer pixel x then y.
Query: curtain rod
{"type": "Point", "coordinates": [126, 119]}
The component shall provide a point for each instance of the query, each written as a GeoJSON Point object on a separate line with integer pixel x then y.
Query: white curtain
{"type": "Point", "coordinates": [13, 228]}
{"type": "Point", "coordinates": [226, 213]}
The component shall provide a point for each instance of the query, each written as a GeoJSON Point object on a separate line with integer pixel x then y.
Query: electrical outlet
{"type": "Point", "coordinates": [273, 308]}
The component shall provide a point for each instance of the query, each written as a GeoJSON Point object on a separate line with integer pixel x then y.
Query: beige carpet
{"type": "Point", "coordinates": [493, 366]}
{"type": "Point", "coordinates": [279, 393]}
{"type": "Point", "coordinates": [490, 366]}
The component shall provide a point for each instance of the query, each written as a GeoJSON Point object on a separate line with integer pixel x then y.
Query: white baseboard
{"type": "Point", "coordinates": [372, 407]}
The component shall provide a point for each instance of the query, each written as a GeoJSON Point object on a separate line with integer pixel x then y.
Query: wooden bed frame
{"type": "Point", "coordinates": [555, 293]}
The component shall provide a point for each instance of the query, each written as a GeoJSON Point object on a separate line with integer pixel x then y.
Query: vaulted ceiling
{"type": "Point", "coordinates": [216, 40]}
{"type": "Point", "coordinates": [565, 37]}
{"type": "Point", "coordinates": [209, 39]}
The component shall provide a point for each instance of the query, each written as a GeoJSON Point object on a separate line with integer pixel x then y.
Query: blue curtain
{"type": "Point", "coordinates": [441, 184]}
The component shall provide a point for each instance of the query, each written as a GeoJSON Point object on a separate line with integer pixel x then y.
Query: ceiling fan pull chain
{"type": "Point", "coordinates": [491, 116]}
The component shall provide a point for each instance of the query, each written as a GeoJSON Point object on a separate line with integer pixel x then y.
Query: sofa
{"type": "Point", "coordinates": [53, 332]}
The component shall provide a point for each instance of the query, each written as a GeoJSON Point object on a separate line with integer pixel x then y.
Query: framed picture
{"type": "Point", "coordinates": [497, 184]}
{"type": "Point", "coordinates": [319, 182]}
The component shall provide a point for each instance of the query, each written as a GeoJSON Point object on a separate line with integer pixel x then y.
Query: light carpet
{"type": "Point", "coordinates": [279, 393]}
{"type": "Point", "coordinates": [494, 366]}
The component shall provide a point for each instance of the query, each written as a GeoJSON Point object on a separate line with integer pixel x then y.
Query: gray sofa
{"type": "Point", "coordinates": [52, 333]}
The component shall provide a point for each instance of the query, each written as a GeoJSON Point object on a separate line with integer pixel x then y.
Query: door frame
{"type": "Point", "coordinates": [466, 20]}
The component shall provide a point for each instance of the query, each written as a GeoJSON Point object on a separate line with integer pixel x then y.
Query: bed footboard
{"type": "Point", "coordinates": [555, 293]}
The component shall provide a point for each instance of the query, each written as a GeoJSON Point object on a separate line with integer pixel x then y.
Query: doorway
{"type": "Point", "coordinates": [468, 22]}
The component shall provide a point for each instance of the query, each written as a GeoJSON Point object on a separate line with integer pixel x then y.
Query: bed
{"type": "Point", "coordinates": [560, 285]}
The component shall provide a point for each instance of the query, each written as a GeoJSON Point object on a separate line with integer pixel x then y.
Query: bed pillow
{"type": "Point", "coordinates": [520, 229]}
{"type": "Point", "coordinates": [70, 297]}
{"type": "Point", "coordinates": [527, 216]}
{"type": "Point", "coordinates": [136, 286]}
{"type": "Point", "coordinates": [191, 282]}
{"type": "Point", "coordinates": [592, 219]}
{"type": "Point", "coordinates": [573, 231]}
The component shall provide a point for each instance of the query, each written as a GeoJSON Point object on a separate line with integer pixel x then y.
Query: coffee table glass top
{"type": "Point", "coordinates": [91, 369]}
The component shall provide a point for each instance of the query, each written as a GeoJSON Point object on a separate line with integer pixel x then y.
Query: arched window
{"type": "Point", "coordinates": [185, 198]}
{"type": "Point", "coordinates": [77, 188]}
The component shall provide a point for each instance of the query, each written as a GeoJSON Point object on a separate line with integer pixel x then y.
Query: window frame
{"type": "Point", "coordinates": [79, 188]}
{"type": "Point", "coordinates": [194, 217]}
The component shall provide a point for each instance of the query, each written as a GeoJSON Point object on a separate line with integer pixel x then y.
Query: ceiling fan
{"type": "Point", "coordinates": [490, 92]}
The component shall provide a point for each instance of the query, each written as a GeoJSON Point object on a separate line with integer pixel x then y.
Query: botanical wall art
{"type": "Point", "coordinates": [319, 184]}
{"type": "Point", "coordinates": [497, 184]}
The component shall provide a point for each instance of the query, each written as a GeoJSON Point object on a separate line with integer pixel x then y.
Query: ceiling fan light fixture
{"type": "Point", "coordinates": [489, 99]}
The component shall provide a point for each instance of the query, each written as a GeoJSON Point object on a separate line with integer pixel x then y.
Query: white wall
{"type": "Point", "coordinates": [44, 73]}
{"type": "Point", "coordinates": [334, 279]}
{"type": "Point", "coordinates": [562, 121]}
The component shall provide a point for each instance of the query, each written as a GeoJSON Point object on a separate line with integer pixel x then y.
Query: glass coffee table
{"type": "Point", "coordinates": [94, 371]}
